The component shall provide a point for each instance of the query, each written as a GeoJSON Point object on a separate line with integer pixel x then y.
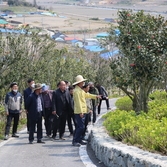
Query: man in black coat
{"type": "Point", "coordinates": [47, 112]}
{"type": "Point", "coordinates": [26, 93]}
{"type": "Point", "coordinates": [70, 115]}
{"type": "Point", "coordinates": [34, 105]}
{"type": "Point", "coordinates": [104, 96]}
{"type": "Point", "coordinates": [61, 103]}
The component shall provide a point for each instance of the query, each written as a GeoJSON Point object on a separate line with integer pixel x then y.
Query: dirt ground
{"type": "Point", "coordinates": [62, 24]}
{"type": "Point", "coordinates": [78, 18]}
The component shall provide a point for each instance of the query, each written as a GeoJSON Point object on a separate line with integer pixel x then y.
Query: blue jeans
{"type": "Point", "coordinates": [79, 129]}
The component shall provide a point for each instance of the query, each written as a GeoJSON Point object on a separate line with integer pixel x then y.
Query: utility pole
{"type": "Point", "coordinates": [35, 3]}
{"type": "Point", "coordinates": [0, 4]}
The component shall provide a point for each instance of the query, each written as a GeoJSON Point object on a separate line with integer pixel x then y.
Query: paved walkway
{"type": "Point", "coordinates": [16, 152]}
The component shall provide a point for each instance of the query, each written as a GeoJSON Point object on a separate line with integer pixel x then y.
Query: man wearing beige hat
{"type": "Point", "coordinates": [80, 109]}
{"type": "Point", "coordinates": [34, 106]}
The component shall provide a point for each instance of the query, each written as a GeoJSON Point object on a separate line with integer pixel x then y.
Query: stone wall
{"type": "Point", "coordinates": [116, 154]}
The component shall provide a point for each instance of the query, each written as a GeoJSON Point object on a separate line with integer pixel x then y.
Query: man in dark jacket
{"type": "Point", "coordinates": [13, 102]}
{"type": "Point", "coordinates": [104, 96]}
{"type": "Point", "coordinates": [95, 102]}
{"type": "Point", "coordinates": [60, 106]}
{"type": "Point", "coordinates": [26, 93]}
{"type": "Point", "coordinates": [34, 105]}
{"type": "Point", "coordinates": [70, 115]}
{"type": "Point", "coordinates": [47, 112]}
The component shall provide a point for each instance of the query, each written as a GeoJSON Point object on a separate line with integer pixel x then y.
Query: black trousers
{"type": "Point", "coordinates": [59, 123]}
{"type": "Point", "coordinates": [10, 117]}
{"type": "Point", "coordinates": [71, 117]}
{"type": "Point", "coordinates": [94, 111]}
{"type": "Point", "coordinates": [33, 124]}
{"type": "Point", "coordinates": [107, 104]}
{"type": "Point", "coordinates": [47, 123]}
{"type": "Point", "coordinates": [28, 123]}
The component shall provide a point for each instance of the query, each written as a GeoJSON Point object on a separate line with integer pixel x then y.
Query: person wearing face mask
{"type": "Point", "coordinates": [13, 102]}
{"type": "Point", "coordinates": [26, 93]}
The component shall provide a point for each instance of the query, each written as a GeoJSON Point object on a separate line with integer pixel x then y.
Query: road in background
{"type": "Point", "coordinates": [101, 12]}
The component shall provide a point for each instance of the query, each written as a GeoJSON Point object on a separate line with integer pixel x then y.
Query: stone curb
{"type": "Point", "coordinates": [116, 154]}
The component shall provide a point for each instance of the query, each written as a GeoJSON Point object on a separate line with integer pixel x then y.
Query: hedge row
{"type": "Point", "coordinates": [148, 131]}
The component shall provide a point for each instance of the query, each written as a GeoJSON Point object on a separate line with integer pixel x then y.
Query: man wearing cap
{"type": "Point", "coordinates": [80, 109]}
{"type": "Point", "coordinates": [13, 101]}
{"type": "Point", "coordinates": [34, 105]}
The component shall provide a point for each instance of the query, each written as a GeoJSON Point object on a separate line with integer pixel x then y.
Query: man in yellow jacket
{"type": "Point", "coordinates": [80, 109]}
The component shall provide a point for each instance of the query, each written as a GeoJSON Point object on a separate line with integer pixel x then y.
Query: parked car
{"type": "Point", "coordinates": [59, 39]}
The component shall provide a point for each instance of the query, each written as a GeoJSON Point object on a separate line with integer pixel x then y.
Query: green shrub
{"type": "Point", "coordinates": [158, 95]}
{"type": "Point", "coordinates": [140, 129]}
{"type": "Point", "coordinates": [124, 103]}
{"type": "Point", "coordinates": [2, 127]}
{"type": "Point", "coordinates": [22, 121]}
{"type": "Point", "coordinates": [157, 109]}
{"type": "Point", "coordinates": [115, 123]}
{"type": "Point", "coordinates": [94, 18]}
{"type": "Point", "coordinates": [145, 130]}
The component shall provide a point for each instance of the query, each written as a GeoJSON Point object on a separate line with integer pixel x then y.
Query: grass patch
{"type": "Point", "coordinates": [19, 9]}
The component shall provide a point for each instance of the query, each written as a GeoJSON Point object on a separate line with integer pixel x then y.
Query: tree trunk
{"type": "Point", "coordinates": [140, 101]}
{"type": "Point", "coordinates": [35, 3]}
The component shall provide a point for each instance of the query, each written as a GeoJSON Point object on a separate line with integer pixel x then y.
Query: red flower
{"type": "Point", "coordinates": [139, 47]}
{"type": "Point", "coordinates": [132, 65]}
{"type": "Point", "coordinates": [128, 14]}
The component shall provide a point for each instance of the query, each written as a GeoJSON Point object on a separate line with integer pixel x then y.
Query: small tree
{"type": "Point", "coordinates": [143, 46]}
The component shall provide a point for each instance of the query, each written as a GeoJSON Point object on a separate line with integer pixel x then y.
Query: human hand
{"type": "Point", "coordinates": [98, 96]}
{"type": "Point", "coordinates": [54, 112]}
{"type": "Point", "coordinates": [7, 113]}
{"type": "Point", "coordinates": [90, 111]}
{"type": "Point", "coordinates": [81, 115]}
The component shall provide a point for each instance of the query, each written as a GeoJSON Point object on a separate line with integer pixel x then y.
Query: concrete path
{"type": "Point", "coordinates": [16, 152]}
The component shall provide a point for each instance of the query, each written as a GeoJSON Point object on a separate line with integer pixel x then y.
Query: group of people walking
{"type": "Point", "coordinates": [68, 103]}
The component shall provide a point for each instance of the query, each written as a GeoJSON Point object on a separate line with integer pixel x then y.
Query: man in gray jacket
{"type": "Point", "coordinates": [13, 102]}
